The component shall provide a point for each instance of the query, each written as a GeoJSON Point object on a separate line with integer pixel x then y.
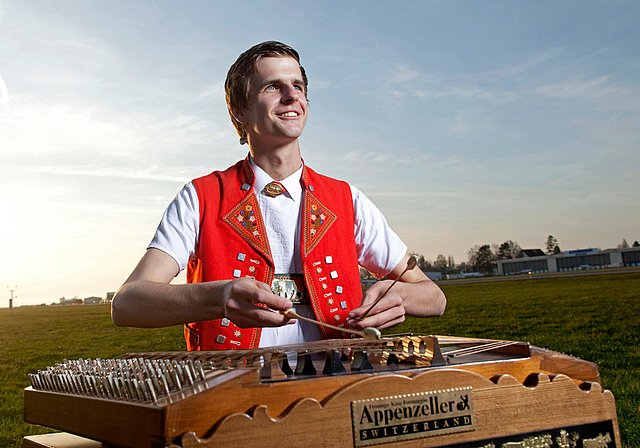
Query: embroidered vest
{"type": "Point", "coordinates": [233, 243]}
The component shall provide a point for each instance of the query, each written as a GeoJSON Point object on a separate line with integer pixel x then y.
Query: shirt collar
{"type": "Point", "coordinates": [291, 183]}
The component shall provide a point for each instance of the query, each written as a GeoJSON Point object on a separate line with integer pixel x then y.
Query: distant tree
{"type": "Point", "coordinates": [551, 244]}
{"type": "Point", "coordinates": [472, 255]}
{"type": "Point", "coordinates": [503, 252]}
{"type": "Point", "coordinates": [556, 250]}
{"type": "Point", "coordinates": [485, 259]}
{"type": "Point", "coordinates": [450, 263]}
{"type": "Point", "coordinates": [623, 245]}
{"type": "Point", "coordinates": [441, 263]}
{"type": "Point", "coordinates": [423, 264]}
{"type": "Point", "coordinates": [495, 247]}
{"type": "Point", "coordinates": [515, 248]}
{"type": "Point", "coordinates": [61, 299]}
{"type": "Point", "coordinates": [508, 249]}
{"type": "Point", "coordinates": [635, 244]}
{"type": "Point", "coordinates": [463, 267]}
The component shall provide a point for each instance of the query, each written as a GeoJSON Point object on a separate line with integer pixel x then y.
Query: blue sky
{"type": "Point", "coordinates": [465, 122]}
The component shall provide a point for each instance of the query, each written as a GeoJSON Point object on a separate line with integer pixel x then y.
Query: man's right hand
{"type": "Point", "coordinates": [244, 303]}
{"type": "Point", "coordinates": [147, 299]}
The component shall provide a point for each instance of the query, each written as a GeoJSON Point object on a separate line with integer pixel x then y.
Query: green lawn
{"type": "Point", "coordinates": [595, 318]}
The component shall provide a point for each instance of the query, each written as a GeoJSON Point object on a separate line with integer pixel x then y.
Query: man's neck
{"type": "Point", "coordinates": [280, 162]}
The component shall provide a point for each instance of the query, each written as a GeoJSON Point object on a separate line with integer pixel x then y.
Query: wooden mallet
{"type": "Point", "coordinates": [411, 263]}
{"type": "Point", "coordinates": [369, 333]}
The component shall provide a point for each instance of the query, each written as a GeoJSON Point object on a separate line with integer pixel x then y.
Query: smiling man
{"type": "Point", "coordinates": [270, 224]}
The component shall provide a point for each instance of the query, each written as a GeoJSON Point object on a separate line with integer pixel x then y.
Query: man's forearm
{"type": "Point", "coordinates": [151, 304]}
{"type": "Point", "coordinates": [246, 302]}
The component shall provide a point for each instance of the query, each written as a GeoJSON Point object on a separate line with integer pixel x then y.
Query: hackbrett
{"type": "Point", "coordinates": [520, 394]}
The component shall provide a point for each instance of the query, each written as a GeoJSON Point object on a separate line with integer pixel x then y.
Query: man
{"type": "Point", "coordinates": [269, 214]}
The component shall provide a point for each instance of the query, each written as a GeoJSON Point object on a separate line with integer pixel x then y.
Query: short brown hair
{"type": "Point", "coordinates": [237, 86]}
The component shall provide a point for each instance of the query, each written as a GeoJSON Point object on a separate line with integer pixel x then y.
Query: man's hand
{"type": "Point", "coordinates": [148, 300]}
{"type": "Point", "coordinates": [244, 302]}
{"type": "Point", "coordinates": [389, 311]}
{"type": "Point", "coordinates": [413, 295]}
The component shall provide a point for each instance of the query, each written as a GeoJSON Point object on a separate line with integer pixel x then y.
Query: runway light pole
{"type": "Point", "coordinates": [11, 289]}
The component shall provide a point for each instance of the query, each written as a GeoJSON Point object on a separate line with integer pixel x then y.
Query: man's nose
{"type": "Point", "coordinates": [291, 94]}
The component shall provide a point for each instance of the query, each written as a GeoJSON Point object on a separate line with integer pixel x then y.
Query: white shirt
{"type": "Point", "coordinates": [379, 248]}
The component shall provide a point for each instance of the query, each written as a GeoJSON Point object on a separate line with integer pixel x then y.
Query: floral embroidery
{"type": "Point", "coordinates": [246, 219]}
{"type": "Point", "coordinates": [317, 220]}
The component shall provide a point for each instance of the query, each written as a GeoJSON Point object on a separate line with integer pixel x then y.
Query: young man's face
{"type": "Point", "coordinates": [278, 107]}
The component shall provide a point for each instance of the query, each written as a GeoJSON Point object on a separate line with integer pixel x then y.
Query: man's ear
{"type": "Point", "coordinates": [238, 115]}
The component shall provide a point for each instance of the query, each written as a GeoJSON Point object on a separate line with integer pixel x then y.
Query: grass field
{"type": "Point", "coordinates": [595, 318]}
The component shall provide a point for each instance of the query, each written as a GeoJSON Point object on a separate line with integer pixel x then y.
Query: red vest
{"type": "Point", "coordinates": [233, 243]}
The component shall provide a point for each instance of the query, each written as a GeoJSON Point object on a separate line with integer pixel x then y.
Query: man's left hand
{"type": "Point", "coordinates": [389, 311]}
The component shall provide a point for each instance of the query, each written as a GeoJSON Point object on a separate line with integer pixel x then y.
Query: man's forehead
{"type": "Point", "coordinates": [275, 68]}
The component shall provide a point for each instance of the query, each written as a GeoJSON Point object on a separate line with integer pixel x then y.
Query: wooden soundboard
{"type": "Point", "coordinates": [405, 391]}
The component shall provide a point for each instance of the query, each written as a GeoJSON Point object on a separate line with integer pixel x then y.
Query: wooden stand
{"type": "Point", "coordinates": [59, 440]}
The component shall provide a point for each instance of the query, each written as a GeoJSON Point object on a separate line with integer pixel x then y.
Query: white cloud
{"type": "Point", "coordinates": [36, 126]}
{"type": "Point", "coordinates": [212, 91]}
{"type": "Point", "coordinates": [51, 80]}
{"type": "Point", "coordinates": [404, 74]}
{"type": "Point", "coordinates": [601, 91]}
{"type": "Point", "coordinates": [4, 94]}
{"type": "Point", "coordinates": [462, 125]}
{"type": "Point", "coordinates": [495, 96]}
{"type": "Point", "coordinates": [154, 172]}
{"type": "Point", "coordinates": [319, 84]}
{"type": "Point", "coordinates": [591, 89]}
{"type": "Point", "coordinates": [415, 194]}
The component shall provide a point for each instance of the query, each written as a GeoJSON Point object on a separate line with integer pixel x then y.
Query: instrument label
{"type": "Point", "coordinates": [412, 416]}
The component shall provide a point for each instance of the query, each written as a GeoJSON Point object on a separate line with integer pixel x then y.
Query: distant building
{"type": "Point", "coordinates": [530, 253]}
{"type": "Point", "coordinates": [92, 300]}
{"type": "Point", "coordinates": [535, 261]}
{"type": "Point", "coordinates": [433, 275]}
{"type": "Point", "coordinates": [74, 301]}
{"type": "Point", "coordinates": [110, 296]}
{"type": "Point", "coordinates": [456, 275]}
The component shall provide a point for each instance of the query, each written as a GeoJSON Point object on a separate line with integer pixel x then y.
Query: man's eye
{"type": "Point", "coordinates": [299, 88]}
{"type": "Point", "coordinates": [272, 87]}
